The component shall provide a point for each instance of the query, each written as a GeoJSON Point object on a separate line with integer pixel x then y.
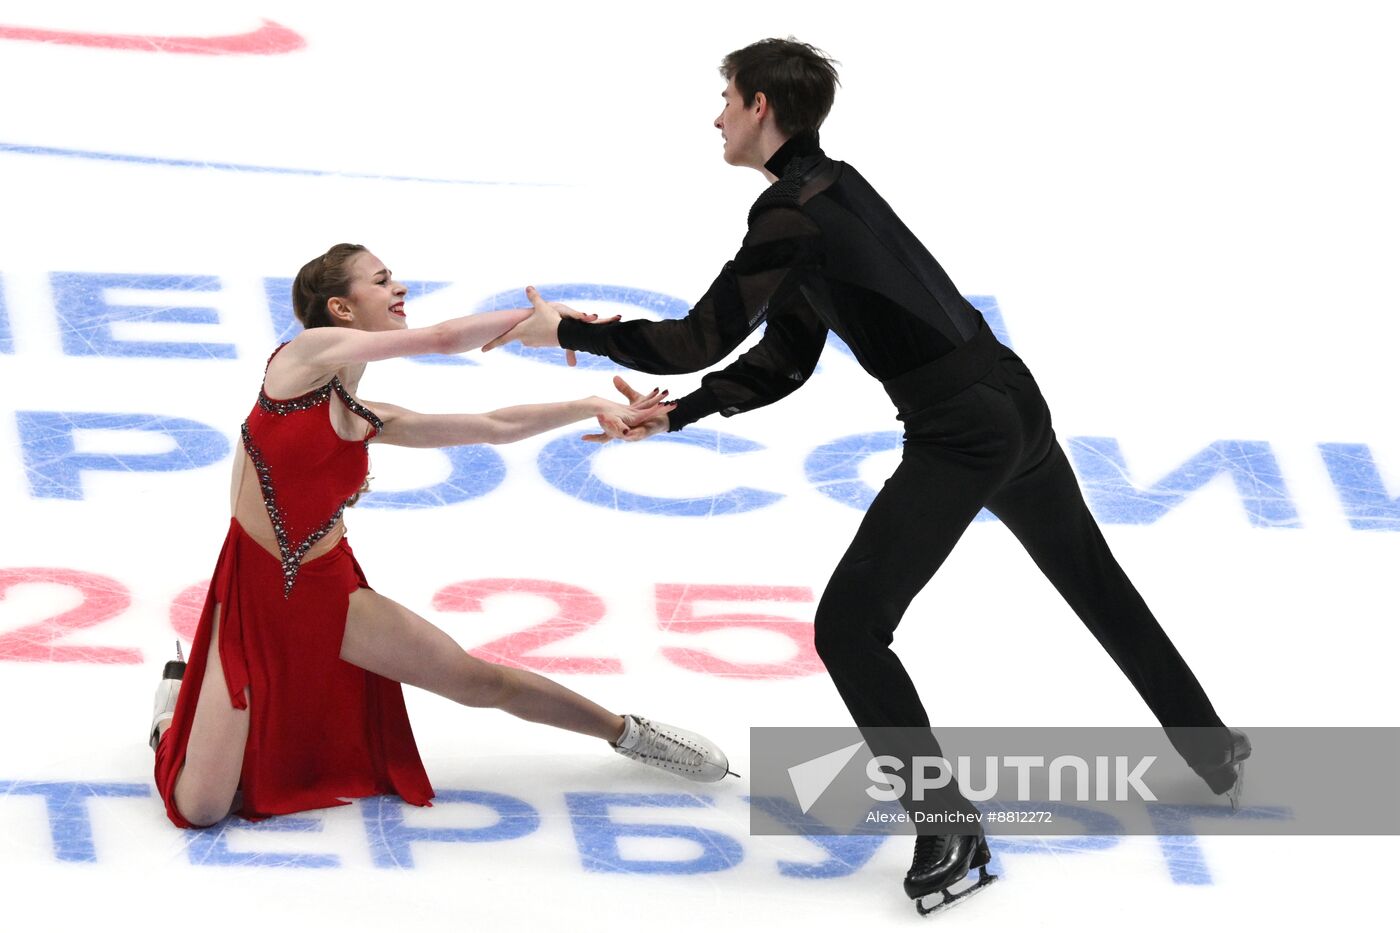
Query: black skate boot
{"type": "Point", "coordinates": [941, 862]}
{"type": "Point", "coordinates": [1227, 776]}
{"type": "Point", "coordinates": [166, 694]}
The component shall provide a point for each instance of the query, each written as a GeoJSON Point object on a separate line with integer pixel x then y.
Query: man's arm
{"type": "Point", "coordinates": [775, 367]}
{"type": "Point", "coordinates": [781, 242]}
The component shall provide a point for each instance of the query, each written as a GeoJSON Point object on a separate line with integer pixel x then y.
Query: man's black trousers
{"type": "Point", "coordinates": [988, 443]}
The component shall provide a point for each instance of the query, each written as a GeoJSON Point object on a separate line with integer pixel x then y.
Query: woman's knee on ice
{"type": "Point", "coordinates": [202, 809]}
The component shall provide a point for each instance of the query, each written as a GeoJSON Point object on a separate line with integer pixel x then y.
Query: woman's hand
{"type": "Point", "coordinates": [541, 328]}
{"type": "Point", "coordinates": [643, 416]}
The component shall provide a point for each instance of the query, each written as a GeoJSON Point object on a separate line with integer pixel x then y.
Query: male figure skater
{"type": "Point", "coordinates": [824, 250]}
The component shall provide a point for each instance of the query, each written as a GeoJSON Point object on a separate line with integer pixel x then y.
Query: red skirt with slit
{"type": "Point", "coordinates": [321, 730]}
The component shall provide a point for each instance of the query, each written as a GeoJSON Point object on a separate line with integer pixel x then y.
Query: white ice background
{"type": "Point", "coordinates": [1186, 213]}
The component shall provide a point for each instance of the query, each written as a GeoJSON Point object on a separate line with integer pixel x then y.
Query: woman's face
{"type": "Point", "coordinates": [375, 299]}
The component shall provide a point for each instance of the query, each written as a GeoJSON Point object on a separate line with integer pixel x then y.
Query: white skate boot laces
{"type": "Point", "coordinates": [671, 749]}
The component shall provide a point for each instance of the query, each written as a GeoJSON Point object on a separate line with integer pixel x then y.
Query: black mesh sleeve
{"type": "Point", "coordinates": [775, 367]}
{"type": "Point", "coordinates": [779, 242]}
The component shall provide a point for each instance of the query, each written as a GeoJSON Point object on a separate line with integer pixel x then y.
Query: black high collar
{"type": "Point", "coordinates": [803, 144]}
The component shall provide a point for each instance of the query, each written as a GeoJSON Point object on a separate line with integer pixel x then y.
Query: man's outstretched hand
{"type": "Point", "coordinates": [614, 427]}
{"type": "Point", "coordinates": [541, 328]}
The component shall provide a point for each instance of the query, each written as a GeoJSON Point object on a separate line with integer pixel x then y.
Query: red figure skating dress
{"type": "Point", "coordinates": [321, 730]}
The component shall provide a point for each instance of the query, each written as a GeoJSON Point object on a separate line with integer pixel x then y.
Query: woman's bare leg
{"type": "Point", "coordinates": [205, 789]}
{"type": "Point", "coordinates": [387, 639]}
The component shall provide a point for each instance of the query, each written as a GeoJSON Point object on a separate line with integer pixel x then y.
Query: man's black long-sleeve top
{"type": "Point", "coordinates": [823, 251]}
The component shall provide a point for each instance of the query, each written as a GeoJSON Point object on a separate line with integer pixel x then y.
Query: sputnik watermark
{"type": "Point", "coordinates": [1117, 775]}
{"type": "Point", "coordinates": [1069, 781]}
{"type": "Point", "coordinates": [1118, 778]}
{"type": "Point", "coordinates": [1103, 778]}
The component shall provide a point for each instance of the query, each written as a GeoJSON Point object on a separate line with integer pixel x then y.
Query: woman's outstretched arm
{"type": "Point", "coordinates": [405, 428]}
{"type": "Point", "coordinates": [316, 353]}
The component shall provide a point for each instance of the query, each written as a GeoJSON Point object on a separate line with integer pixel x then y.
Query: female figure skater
{"type": "Point", "coordinates": [294, 699]}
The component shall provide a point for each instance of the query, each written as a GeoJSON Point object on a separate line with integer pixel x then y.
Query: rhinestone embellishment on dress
{"type": "Point", "coordinates": [291, 555]}
{"type": "Point", "coordinates": [355, 406]}
{"type": "Point", "coordinates": [300, 403]}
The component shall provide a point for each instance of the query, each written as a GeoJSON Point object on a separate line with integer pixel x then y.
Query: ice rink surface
{"type": "Point", "coordinates": [1183, 216]}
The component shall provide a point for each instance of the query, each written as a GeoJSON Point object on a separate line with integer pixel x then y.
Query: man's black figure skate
{"type": "Point", "coordinates": [1227, 776]}
{"type": "Point", "coordinates": [941, 862]}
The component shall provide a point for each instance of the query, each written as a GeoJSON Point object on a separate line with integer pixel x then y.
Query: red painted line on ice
{"type": "Point", "coordinates": [268, 39]}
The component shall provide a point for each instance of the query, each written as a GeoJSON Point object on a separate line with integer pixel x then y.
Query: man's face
{"type": "Point", "coordinates": [740, 128]}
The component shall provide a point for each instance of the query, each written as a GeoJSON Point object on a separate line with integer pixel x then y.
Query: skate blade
{"type": "Point", "coordinates": [1233, 795]}
{"type": "Point", "coordinates": [951, 899]}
